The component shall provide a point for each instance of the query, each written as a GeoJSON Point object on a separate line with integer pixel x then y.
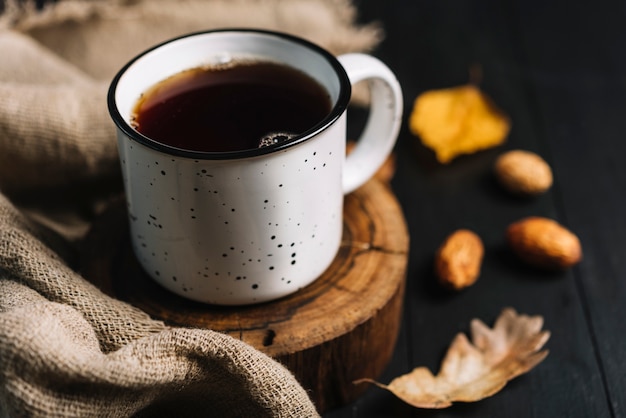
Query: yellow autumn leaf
{"type": "Point", "coordinates": [458, 120]}
{"type": "Point", "coordinates": [473, 371]}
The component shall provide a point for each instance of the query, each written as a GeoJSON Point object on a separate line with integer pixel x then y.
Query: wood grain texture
{"type": "Point", "coordinates": [341, 328]}
{"type": "Point", "coordinates": [558, 71]}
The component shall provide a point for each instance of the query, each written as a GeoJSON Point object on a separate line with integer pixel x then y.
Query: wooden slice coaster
{"type": "Point", "coordinates": [340, 328]}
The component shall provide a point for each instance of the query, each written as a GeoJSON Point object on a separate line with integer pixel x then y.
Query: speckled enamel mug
{"type": "Point", "coordinates": [243, 227]}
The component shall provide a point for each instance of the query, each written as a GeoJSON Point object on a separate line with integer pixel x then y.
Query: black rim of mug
{"type": "Point", "coordinates": [340, 106]}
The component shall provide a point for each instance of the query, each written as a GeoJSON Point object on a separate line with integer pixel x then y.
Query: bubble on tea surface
{"type": "Point", "coordinates": [224, 58]}
{"type": "Point", "coordinates": [273, 138]}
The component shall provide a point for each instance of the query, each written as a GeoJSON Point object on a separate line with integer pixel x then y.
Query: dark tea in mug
{"type": "Point", "coordinates": [231, 107]}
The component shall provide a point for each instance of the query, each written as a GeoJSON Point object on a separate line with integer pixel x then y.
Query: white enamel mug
{"type": "Point", "coordinates": [243, 227]}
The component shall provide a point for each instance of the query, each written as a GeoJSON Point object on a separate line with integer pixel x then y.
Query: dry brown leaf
{"type": "Point", "coordinates": [458, 120]}
{"type": "Point", "coordinates": [473, 371]}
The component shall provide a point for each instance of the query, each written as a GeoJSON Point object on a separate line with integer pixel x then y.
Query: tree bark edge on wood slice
{"type": "Point", "coordinates": [340, 328]}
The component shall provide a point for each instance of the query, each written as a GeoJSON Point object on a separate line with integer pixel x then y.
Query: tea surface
{"type": "Point", "coordinates": [230, 108]}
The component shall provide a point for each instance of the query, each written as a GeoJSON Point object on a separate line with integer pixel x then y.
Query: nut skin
{"type": "Point", "coordinates": [458, 260]}
{"type": "Point", "coordinates": [544, 243]}
{"type": "Point", "coordinates": [523, 173]}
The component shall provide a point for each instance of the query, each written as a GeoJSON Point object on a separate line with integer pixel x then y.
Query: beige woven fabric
{"type": "Point", "coordinates": [67, 349]}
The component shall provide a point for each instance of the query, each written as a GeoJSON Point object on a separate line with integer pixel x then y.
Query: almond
{"type": "Point", "coordinates": [458, 259]}
{"type": "Point", "coordinates": [544, 243]}
{"type": "Point", "coordinates": [523, 173]}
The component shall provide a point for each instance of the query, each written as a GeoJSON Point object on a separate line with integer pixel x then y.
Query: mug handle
{"type": "Point", "coordinates": [383, 124]}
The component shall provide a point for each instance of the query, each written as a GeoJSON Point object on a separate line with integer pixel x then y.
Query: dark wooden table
{"type": "Point", "coordinates": [559, 70]}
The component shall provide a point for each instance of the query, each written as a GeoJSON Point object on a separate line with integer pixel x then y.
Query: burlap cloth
{"type": "Point", "coordinates": [66, 349]}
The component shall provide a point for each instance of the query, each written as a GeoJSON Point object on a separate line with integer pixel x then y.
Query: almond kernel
{"type": "Point", "coordinates": [458, 260]}
{"type": "Point", "coordinates": [523, 173]}
{"type": "Point", "coordinates": [544, 243]}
